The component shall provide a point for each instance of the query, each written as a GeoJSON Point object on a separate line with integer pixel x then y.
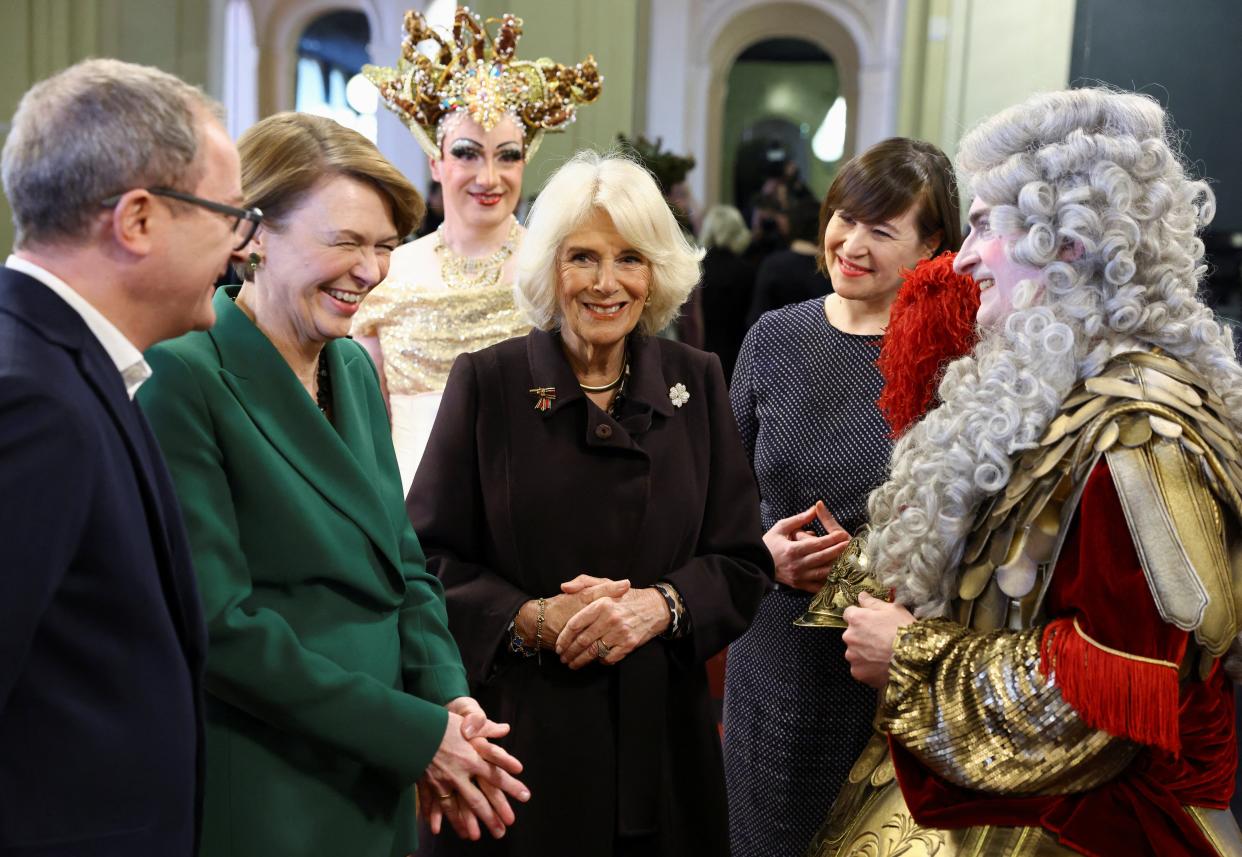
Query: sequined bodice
{"type": "Point", "coordinates": [422, 330]}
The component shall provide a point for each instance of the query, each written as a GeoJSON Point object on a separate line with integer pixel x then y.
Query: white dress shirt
{"type": "Point", "coordinates": [128, 359]}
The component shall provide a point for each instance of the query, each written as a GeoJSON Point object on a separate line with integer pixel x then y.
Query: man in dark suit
{"type": "Point", "coordinates": [121, 181]}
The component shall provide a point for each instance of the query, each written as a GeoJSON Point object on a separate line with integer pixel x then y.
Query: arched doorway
{"type": "Point", "coordinates": [332, 50]}
{"type": "Point", "coordinates": [693, 47]}
{"type": "Point", "coordinates": [779, 96]}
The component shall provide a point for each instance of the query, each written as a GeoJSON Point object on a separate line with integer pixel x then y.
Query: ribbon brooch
{"type": "Point", "coordinates": [545, 396]}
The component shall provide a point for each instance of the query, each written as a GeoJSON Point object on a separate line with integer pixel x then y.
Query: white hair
{"type": "Point", "coordinates": [616, 185]}
{"type": "Point", "coordinates": [1091, 168]}
{"type": "Point", "coordinates": [723, 226]}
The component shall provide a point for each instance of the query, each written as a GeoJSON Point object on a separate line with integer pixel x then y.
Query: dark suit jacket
{"type": "Point", "coordinates": [330, 658]}
{"type": "Point", "coordinates": [101, 635]}
{"type": "Point", "coordinates": [510, 501]}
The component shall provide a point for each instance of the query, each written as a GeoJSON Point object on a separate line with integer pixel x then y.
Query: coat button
{"type": "Point", "coordinates": [603, 431]}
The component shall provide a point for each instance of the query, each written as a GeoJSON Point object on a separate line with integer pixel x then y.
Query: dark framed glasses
{"type": "Point", "coordinates": [245, 220]}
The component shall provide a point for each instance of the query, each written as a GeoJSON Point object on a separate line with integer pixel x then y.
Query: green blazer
{"type": "Point", "coordinates": [329, 658]}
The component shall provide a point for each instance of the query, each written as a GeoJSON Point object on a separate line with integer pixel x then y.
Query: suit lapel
{"type": "Point", "coordinates": [43, 309]}
{"type": "Point", "coordinates": [270, 394]}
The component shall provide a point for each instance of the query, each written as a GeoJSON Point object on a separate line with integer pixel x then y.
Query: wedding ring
{"type": "Point", "coordinates": [447, 796]}
{"type": "Point", "coordinates": [602, 649]}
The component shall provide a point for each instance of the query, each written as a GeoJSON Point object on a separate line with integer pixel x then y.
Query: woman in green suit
{"type": "Point", "coordinates": [333, 684]}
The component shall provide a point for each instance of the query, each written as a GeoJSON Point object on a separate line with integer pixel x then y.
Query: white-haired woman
{"type": "Point", "coordinates": [728, 280]}
{"type": "Point", "coordinates": [587, 504]}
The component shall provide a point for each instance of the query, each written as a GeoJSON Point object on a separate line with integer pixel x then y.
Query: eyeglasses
{"type": "Point", "coordinates": [245, 220]}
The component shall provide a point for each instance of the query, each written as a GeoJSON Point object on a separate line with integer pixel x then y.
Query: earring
{"type": "Point", "coordinates": [252, 262]}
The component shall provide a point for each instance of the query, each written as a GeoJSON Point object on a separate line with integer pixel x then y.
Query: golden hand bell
{"type": "Point", "coordinates": [847, 579]}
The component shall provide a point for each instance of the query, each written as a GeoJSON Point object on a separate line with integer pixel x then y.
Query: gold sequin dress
{"type": "Point", "coordinates": [421, 329]}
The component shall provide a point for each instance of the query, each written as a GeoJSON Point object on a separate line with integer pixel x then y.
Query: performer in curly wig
{"type": "Point", "coordinates": [1062, 532]}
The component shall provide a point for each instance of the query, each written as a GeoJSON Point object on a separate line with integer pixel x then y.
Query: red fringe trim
{"type": "Point", "coordinates": [1120, 694]}
{"type": "Point", "coordinates": [932, 323]}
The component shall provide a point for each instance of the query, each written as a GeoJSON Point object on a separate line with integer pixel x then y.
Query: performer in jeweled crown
{"type": "Point", "coordinates": [479, 113]}
{"type": "Point", "coordinates": [1062, 532]}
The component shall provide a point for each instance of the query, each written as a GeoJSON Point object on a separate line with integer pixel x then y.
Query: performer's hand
{"type": "Point", "coordinates": [803, 560]}
{"type": "Point", "coordinates": [870, 636]}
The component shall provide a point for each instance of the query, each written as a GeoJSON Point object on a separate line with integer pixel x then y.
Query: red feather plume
{"type": "Point", "coordinates": [932, 323]}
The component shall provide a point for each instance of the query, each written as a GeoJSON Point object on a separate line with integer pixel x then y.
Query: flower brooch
{"type": "Point", "coordinates": [678, 394]}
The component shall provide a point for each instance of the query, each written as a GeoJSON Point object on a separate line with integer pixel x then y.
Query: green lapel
{"type": "Point", "coordinates": [341, 466]}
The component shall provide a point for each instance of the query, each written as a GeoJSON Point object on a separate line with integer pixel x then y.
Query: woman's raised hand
{"type": "Point", "coordinates": [802, 559]}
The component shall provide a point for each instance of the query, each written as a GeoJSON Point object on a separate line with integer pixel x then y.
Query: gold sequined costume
{"type": "Point", "coordinates": [421, 331]}
{"type": "Point", "coordinates": [976, 710]}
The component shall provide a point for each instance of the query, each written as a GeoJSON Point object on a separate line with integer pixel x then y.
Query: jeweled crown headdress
{"type": "Point", "coordinates": [479, 74]}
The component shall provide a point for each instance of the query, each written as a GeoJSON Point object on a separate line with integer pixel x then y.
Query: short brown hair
{"type": "Point", "coordinates": [884, 181]}
{"type": "Point", "coordinates": [143, 127]}
{"type": "Point", "coordinates": [284, 156]}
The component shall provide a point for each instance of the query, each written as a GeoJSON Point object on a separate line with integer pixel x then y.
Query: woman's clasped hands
{"type": "Point", "coordinates": [470, 779]}
{"type": "Point", "coordinates": [610, 626]}
{"type": "Point", "coordinates": [594, 619]}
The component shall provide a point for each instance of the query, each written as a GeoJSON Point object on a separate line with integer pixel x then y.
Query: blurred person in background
{"type": "Point", "coordinates": [791, 275]}
{"type": "Point", "coordinates": [728, 278]}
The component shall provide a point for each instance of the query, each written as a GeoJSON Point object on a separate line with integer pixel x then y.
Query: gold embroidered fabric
{"type": "Point", "coordinates": [975, 709]}
{"type": "Point", "coordinates": [421, 331]}
{"type": "Point", "coordinates": [1178, 469]}
{"type": "Point", "coordinates": [967, 697]}
{"type": "Point", "coordinates": [871, 819]}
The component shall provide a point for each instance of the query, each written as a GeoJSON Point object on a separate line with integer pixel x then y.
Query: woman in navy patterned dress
{"type": "Point", "coordinates": [804, 393]}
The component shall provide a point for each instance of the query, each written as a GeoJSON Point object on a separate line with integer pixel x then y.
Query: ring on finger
{"type": "Point", "coordinates": [602, 649]}
{"type": "Point", "coordinates": [445, 798]}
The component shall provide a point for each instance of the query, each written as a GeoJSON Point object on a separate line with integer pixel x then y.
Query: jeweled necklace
{"type": "Point", "coordinates": [323, 395]}
{"type": "Point", "coordinates": [465, 272]}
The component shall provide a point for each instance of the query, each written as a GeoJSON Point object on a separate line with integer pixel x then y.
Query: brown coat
{"type": "Point", "coordinates": [511, 501]}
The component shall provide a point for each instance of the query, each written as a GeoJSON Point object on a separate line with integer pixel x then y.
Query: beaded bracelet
{"type": "Point", "coordinates": [519, 646]}
{"type": "Point", "coordinates": [539, 632]}
{"type": "Point", "coordinates": [676, 609]}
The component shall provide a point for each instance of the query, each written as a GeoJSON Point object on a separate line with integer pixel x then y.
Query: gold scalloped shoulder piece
{"type": "Point", "coordinates": [479, 74]}
{"type": "Point", "coordinates": [1176, 462]}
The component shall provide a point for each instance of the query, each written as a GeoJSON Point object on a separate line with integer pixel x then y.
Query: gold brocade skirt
{"type": "Point", "coordinates": [870, 819]}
